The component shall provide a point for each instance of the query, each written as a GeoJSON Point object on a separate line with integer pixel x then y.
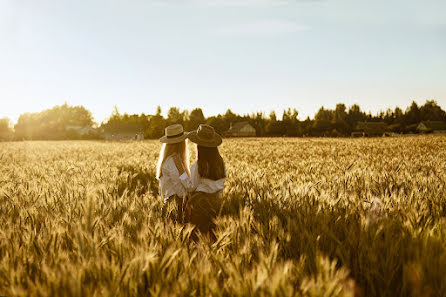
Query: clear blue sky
{"type": "Point", "coordinates": [247, 55]}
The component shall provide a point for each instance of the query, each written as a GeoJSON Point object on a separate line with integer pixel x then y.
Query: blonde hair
{"type": "Point", "coordinates": [169, 149]}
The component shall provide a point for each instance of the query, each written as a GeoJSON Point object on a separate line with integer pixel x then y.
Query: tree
{"type": "Point", "coordinates": [156, 125]}
{"type": "Point", "coordinates": [274, 127]}
{"type": "Point", "coordinates": [272, 116]}
{"type": "Point", "coordinates": [158, 110]}
{"type": "Point", "coordinates": [125, 123]}
{"type": "Point", "coordinates": [218, 122]}
{"type": "Point", "coordinates": [413, 115]}
{"type": "Point", "coordinates": [323, 115]}
{"type": "Point", "coordinates": [259, 122]}
{"type": "Point", "coordinates": [115, 113]}
{"type": "Point", "coordinates": [323, 123]}
{"type": "Point", "coordinates": [340, 113]}
{"type": "Point", "coordinates": [430, 111]}
{"type": "Point", "coordinates": [305, 127]}
{"type": "Point", "coordinates": [230, 118]}
{"type": "Point", "coordinates": [6, 131]}
{"type": "Point", "coordinates": [355, 115]}
{"type": "Point", "coordinates": [340, 120]}
{"type": "Point", "coordinates": [113, 122]}
{"type": "Point", "coordinates": [290, 121]}
{"type": "Point", "coordinates": [52, 123]}
{"type": "Point", "coordinates": [175, 116]}
{"type": "Point", "coordinates": [196, 118]}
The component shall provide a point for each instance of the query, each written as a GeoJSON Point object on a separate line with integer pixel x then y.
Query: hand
{"type": "Point", "coordinates": [179, 164]}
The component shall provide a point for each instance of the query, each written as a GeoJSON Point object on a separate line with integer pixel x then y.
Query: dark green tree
{"type": "Point", "coordinates": [290, 122]}
{"type": "Point", "coordinates": [175, 116]}
{"type": "Point", "coordinates": [219, 124]}
{"type": "Point", "coordinates": [413, 115]}
{"type": "Point", "coordinates": [340, 120]}
{"type": "Point", "coordinates": [430, 111]}
{"type": "Point", "coordinates": [355, 115]}
{"type": "Point", "coordinates": [156, 125]}
{"type": "Point", "coordinates": [196, 118]}
{"type": "Point", "coordinates": [274, 127]}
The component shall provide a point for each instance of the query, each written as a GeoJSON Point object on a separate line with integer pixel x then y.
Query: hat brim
{"type": "Point", "coordinates": [216, 141]}
{"type": "Point", "coordinates": [170, 140]}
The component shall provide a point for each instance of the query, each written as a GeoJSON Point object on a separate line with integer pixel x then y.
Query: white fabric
{"type": "Point", "coordinates": [196, 183]}
{"type": "Point", "coordinates": [170, 183]}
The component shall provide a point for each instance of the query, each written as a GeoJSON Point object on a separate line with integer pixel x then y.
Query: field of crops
{"type": "Point", "coordinates": [300, 217]}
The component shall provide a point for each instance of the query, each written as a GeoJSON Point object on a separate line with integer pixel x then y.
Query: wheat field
{"type": "Point", "coordinates": [300, 217]}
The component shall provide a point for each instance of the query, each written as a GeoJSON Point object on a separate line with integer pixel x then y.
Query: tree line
{"type": "Point", "coordinates": [51, 124]}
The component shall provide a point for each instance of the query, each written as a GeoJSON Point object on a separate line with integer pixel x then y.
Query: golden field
{"type": "Point", "coordinates": [300, 217]}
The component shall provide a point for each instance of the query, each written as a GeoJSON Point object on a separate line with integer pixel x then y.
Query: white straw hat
{"type": "Point", "coordinates": [174, 134]}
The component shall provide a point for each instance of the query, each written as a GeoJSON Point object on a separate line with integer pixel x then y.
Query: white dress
{"type": "Point", "coordinates": [196, 183]}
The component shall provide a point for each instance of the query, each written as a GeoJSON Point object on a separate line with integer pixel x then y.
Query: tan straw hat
{"type": "Point", "coordinates": [205, 136]}
{"type": "Point", "coordinates": [174, 134]}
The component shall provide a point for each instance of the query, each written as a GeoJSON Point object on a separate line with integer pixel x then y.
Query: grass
{"type": "Point", "coordinates": [300, 217]}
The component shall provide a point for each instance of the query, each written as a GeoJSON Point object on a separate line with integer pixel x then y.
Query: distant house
{"type": "Point", "coordinates": [369, 129]}
{"type": "Point", "coordinates": [241, 129]}
{"type": "Point", "coordinates": [123, 135]}
{"type": "Point", "coordinates": [436, 127]}
{"type": "Point", "coordinates": [392, 134]}
{"type": "Point", "coordinates": [81, 130]}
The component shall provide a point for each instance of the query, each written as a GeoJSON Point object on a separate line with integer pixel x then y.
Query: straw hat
{"type": "Point", "coordinates": [174, 134]}
{"type": "Point", "coordinates": [205, 136]}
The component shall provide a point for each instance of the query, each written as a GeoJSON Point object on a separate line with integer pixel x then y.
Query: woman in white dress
{"type": "Point", "coordinates": [173, 162]}
{"type": "Point", "coordinates": [206, 180]}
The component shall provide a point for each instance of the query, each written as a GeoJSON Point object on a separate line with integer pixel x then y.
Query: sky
{"type": "Point", "coordinates": [246, 55]}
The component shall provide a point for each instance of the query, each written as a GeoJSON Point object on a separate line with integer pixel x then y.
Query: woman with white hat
{"type": "Point", "coordinates": [173, 162]}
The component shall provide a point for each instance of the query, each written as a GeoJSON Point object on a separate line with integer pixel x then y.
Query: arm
{"type": "Point", "coordinates": [184, 177]}
{"type": "Point", "coordinates": [190, 183]}
{"type": "Point", "coordinates": [186, 182]}
{"type": "Point", "coordinates": [171, 172]}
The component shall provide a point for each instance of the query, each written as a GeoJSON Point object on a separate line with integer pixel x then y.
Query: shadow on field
{"type": "Point", "coordinates": [386, 257]}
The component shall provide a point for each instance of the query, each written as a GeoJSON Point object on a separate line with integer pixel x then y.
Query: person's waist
{"type": "Point", "coordinates": [204, 193]}
{"type": "Point", "coordinates": [208, 189]}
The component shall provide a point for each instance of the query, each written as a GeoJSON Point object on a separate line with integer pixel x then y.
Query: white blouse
{"type": "Point", "coordinates": [170, 183]}
{"type": "Point", "coordinates": [196, 183]}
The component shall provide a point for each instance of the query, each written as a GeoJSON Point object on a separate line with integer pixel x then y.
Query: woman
{"type": "Point", "coordinates": [173, 162]}
{"type": "Point", "coordinates": [207, 179]}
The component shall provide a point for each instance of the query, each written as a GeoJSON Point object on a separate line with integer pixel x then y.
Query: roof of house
{"type": "Point", "coordinates": [238, 126]}
{"type": "Point", "coordinates": [435, 125]}
{"type": "Point", "coordinates": [371, 126]}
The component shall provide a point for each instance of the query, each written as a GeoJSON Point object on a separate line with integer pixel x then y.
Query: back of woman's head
{"type": "Point", "coordinates": [210, 163]}
{"type": "Point", "coordinates": [169, 149]}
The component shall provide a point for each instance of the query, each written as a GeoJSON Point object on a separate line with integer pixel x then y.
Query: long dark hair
{"type": "Point", "coordinates": [210, 163]}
